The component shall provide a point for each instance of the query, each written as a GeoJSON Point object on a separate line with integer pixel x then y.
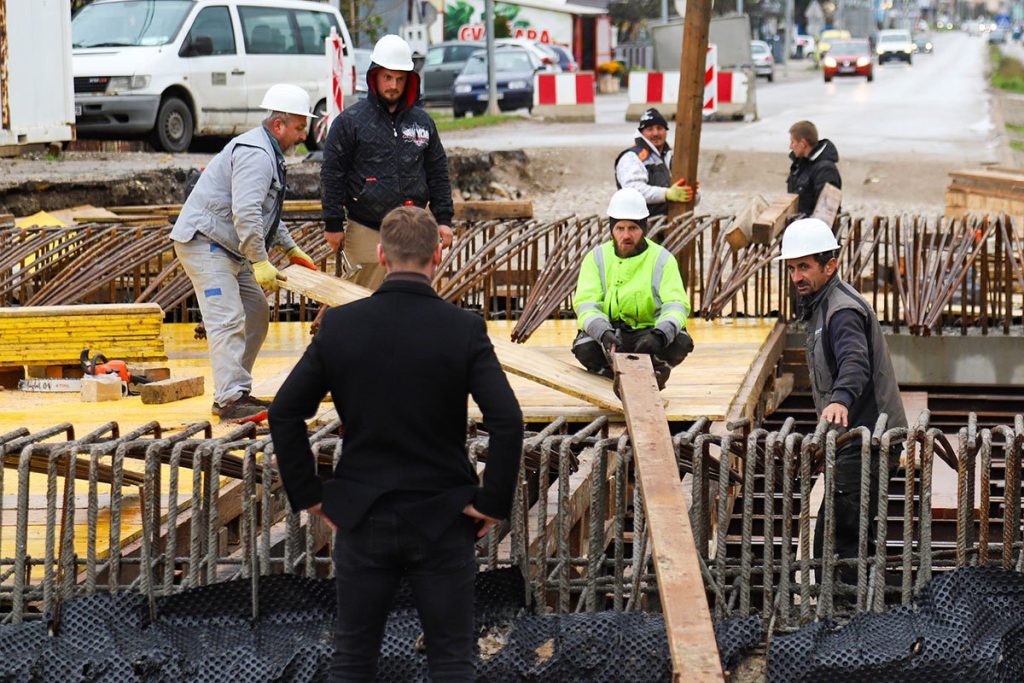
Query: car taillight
{"type": "Point", "coordinates": [354, 84]}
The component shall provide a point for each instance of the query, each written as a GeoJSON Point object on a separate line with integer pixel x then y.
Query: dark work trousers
{"type": "Point", "coordinates": [369, 562]}
{"type": "Point", "coordinates": [847, 508]}
{"type": "Point", "coordinates": [591, 354]}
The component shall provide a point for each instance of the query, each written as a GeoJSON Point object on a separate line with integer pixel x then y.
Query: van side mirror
{"type": "Point", "coordinates": [198, 46]}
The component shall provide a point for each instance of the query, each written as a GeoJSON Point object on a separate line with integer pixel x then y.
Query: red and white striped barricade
{"type": "Point", "coordinates": [564, 96]}
{"type": "Point", "coordinates": [660, 89]}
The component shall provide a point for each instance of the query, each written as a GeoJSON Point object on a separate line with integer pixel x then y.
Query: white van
{"type": "Point", "coordinates": [178, 68]}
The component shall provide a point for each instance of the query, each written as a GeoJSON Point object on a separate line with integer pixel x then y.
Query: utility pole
{"type": "Point", "coordinates": [664, 10]}
{"type": "Point", "coordinates": [787, 37]}
{"type": "Point", "coordinates": [492, 81]}
{"type": "Point", "coordinates": [690, 107]}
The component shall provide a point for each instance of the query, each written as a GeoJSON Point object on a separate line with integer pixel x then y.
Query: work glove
{"type": "Point", "coordinates": [680, 192]}
{"type": "Point", "coordinates": [609, 340]}
{"type": "Point", "coordinates": [299, 258]}
{"type": "Point", "coordinates": [651, 342]}
{"type": "Point", "coordinates": [269, 277]}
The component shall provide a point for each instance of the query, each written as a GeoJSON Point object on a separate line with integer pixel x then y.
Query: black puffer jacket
{"type": "Point", "coordinates": [375, 161]}
{"type": "Point", "coordinates": [808, 175]}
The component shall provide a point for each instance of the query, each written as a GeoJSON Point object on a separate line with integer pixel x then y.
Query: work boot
{"type": "Point", "coordinates": [216, 408]}
{"type": "Point", "coordinates": [243, 409]}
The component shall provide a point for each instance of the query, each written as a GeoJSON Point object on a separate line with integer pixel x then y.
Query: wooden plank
{"type": "Point", "coordinates": [691, 637]}
{"type": "Point", "coordinates": [568, 379]}
{"type": "Point", "coordinates": [485, 210]}
{"type": "Point", "coordinates": [829, 201]}
{"type": "Point", "coordinates": [111, 310]}
{"type": "Point", "coordinates": [320, 286]}
{"type": "Point", "coordinates": [741, 232]}
{"type": "Point", "coordinates": [170, 390]}
{"type": "Point", "coordinates": [522, 361]}
{"type": "Point", "coordinates": [772, 221]}
{"type": "Point", "coordinates": [762, 368]}
{"type": "Point", "coordinates": [464, 210]}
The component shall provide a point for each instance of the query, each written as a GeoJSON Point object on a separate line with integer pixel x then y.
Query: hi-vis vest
{"type": "Point", "coordinates": [641, 291]}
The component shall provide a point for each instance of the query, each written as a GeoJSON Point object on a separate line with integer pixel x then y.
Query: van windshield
{"type": "Point", "coordinates": [129, 23]}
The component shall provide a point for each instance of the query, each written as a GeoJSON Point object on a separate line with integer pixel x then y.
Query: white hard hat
{"type": "Point", "coordinates": [628, 204]}
{"type": "Point", "coordinates": [805, 237]}
{"type": "Point", "coordinates": [392, 52]}
{"type": "Point", "coordinates": [287, 99]}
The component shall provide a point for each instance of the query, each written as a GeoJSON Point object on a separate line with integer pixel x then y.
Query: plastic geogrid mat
{"type": "Point", "coordinates": [966, 625]}
{"type": "Point", "coordinates": [206, 635]}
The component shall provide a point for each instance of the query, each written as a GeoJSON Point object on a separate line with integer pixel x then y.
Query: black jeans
{"type": "Point", "coordinates": [369, 563]}
{"type": "Point", "coordinates": [847, 508]}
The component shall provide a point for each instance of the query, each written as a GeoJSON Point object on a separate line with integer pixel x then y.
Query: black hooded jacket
{"type": "Point", "coordinates": [375, 161]}
{"type": "Point", "coordinates": [808, 175]}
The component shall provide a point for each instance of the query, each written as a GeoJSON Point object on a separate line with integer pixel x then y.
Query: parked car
{"type": "Point", "coordinates": [894, 44]}
{"type": "Point", "coordinates": [764, 63]}
{"type": "Point", "coordinates": [566, 60]}
{"type": "Point", "coordinates": [923, 45]}
{"type": "Point", "coordinates": [848, 58]}
{"type": "Point", "coordinates": [179, 68]}
{"type": "Point", "coordinates": [444, 62]}
{"type": "Point", "coordinates": [547, 57]}
{"type": "Point", "coordinates": [514, 68]}
{"type": "Point", "coordinates": [826, 38]}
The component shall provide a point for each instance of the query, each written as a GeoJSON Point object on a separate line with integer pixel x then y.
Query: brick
{"type": "Point", "coordinates": [103, 388]}
{"type": "Point", "coordinates": [168, 390]}
{"type": "Point", "coordinates": [154, 373]}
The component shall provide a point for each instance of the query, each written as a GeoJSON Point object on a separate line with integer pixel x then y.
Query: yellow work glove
{"type": "Point", "coordinates": [679, 193]}
{"type": "Point", "coordinates": [269, 277]}
{"type": "Point", "coordinates": [298, 257]}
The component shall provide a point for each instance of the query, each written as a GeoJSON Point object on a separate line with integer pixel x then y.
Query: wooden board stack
{"type": "Point", "coordinates": [56, 335]}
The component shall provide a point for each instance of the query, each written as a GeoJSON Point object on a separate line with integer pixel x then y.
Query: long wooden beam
{"type": "Point", "coordinates": [691, 637]}
{"type": "Point", "coordinates": [519, 360]}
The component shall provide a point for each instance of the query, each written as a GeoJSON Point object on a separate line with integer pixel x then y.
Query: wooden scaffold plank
{"type": "Point", "coordinates": [691, 637]}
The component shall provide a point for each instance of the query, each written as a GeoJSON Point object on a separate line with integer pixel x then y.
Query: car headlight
{"type": "Point", "coordinates": [830, 62]}
{"type": "Point", "coordinates": [908, 50]}
{"type": "Point", "coordinates": [879, 50]}
{"type": "Point", "coordinates": [463, 88]}
{"type": "Point", "coordinates": [517, 85]}
{"type": "Point", "coordinates": [121, 83]}
{"type": "Point", "coordinates": [928, 46]}
{"type": "Point", "coordinates": [863, 61]}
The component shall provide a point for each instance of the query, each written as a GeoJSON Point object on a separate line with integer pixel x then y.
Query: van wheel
{"type": "Point", "coordinates": [174, 126]}
{"type": "Point", "coordinates": [318, 127]}
{"type": "Point", "coordinates": [459, 113]}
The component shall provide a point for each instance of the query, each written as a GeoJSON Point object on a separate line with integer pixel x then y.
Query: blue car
{"type": "Point", "coordinates": [514, 68]}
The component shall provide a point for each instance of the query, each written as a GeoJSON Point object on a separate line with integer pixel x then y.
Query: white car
{"type": "Point", "coordinates": [545, 55]}
{"type": "Point", "coordinates": [802, 46]}
{"type": "Point", "coordinates": [764, 62]}
{"type": "Point", "coordinates": [894, 44]}
{"type": "Point", "coordinates": [178, 68]}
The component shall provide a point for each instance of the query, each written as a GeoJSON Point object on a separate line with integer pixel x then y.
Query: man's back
{"type": "Point", "coordinates": [399, 366]}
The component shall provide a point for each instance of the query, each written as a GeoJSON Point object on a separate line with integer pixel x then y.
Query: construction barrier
{"type": "Point", "coordinates": [564, 96]}
{"type": "Point", "coordinates": [660, 89]}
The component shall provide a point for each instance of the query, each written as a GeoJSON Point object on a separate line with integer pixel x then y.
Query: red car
{"type": "Point", "coordinates": [848, 58]}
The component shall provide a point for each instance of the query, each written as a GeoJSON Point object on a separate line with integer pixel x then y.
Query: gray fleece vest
{"type": "Point", "coordinates": [882, 393]}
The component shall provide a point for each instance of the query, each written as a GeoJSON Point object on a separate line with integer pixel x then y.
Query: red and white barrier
{"type": "Point", "coordinates": [660, 89]}
{"type": "Point", "coordinates": [564, 96]}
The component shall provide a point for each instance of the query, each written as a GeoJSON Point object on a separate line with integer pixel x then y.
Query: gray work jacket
{"type": "Point", "coordinates": [237, 201]}
{"type": "Point", "coordinates": [879, 392]}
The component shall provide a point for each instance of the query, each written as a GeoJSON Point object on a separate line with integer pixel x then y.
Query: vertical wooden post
{"type": "Point", "coordinates": [690, 110]}
{"type": "Point", "coordinates": [5, 105]}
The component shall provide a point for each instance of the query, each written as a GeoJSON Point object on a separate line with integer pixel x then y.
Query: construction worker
{"type": "Point", "coordinates": [405, 499]}
{"type": "Point", "coordinates": [381, 153]}
{"type": "Point", "coordinates": [852, 378]}
{"type": "Point", "coordinates": [813, 163]}
{"type": "Point", "coordinates": [228, 223]}
{"type": "Point", "coordinates": [630, 296]}
{"type": "Point", "coordinates": [646, 165]}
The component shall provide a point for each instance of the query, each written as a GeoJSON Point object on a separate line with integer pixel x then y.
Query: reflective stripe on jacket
{"type": "Point", "coordinates": [641, 291]}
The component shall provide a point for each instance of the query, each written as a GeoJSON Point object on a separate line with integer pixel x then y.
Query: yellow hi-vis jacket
{"type": "Point", "coordinates": [641, 291]}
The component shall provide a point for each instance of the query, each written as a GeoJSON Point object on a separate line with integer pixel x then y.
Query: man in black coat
{"type": "Point", "coordinates": [813, 164]}
{"type": "Point", "coordinates": [381, 153]}
{"type": "Point", "coordinates": [405, 500]}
